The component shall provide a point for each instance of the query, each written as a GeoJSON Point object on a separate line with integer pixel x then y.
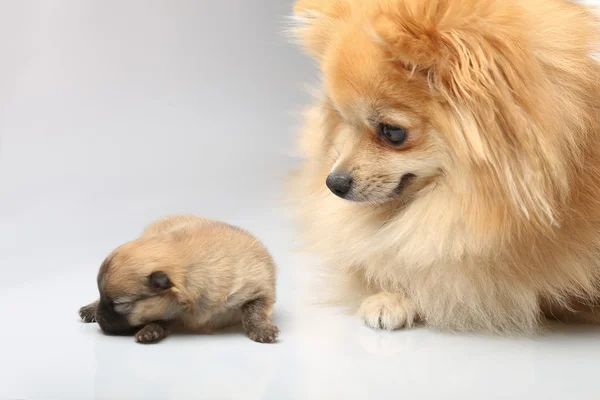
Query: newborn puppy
{"type": "Point", "coordinates": [186, 273]}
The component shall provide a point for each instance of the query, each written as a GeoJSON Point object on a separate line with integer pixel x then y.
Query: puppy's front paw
{"type": "Point", "coordinates": [151, 333]}
{"type": "Point", "coordinates": [387, 311]}
{"type": "Point", "coordinates": [88, 313]}
{"type": "Point", "coordinates": [264, 333]}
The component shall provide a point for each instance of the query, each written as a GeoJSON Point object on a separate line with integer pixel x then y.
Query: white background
{"type": "Point", "coordinates": [115, 112]}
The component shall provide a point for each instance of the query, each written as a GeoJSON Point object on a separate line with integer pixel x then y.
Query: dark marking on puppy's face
{"type": "Point", "coordinates": [138, 286]}
{"type": "Point", "coordinates": [111, 321]}
{"type": "Point", "coordinates": [133, 291]}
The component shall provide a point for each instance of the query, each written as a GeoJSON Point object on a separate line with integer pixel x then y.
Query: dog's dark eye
{"type": "Point", "coordinates": [394, 135]}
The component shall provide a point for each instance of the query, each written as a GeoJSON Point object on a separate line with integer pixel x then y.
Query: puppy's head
{"type": "Point", "coordinates": [139, 282]}
{"type": "Point", "coordinates": [487, 98]}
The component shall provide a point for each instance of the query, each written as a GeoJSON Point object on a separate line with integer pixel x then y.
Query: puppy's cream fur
{"type": "Point", "coordinates": [501, 100]}
{"type": "Point", "coordinates": [191, 273]}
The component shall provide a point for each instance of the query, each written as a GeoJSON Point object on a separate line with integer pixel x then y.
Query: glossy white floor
{"type": "Point", "coordinates": [115, 113]}
{"type": "Point", "coordinates": [48, 354]}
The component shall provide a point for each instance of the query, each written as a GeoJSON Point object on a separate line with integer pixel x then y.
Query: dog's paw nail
{"type": "Point", "coordinates": [150, 334]}
{"type": "Point", "coordinates": [386, 312]}
{"type": "Point", "coordinates": [87, 315]}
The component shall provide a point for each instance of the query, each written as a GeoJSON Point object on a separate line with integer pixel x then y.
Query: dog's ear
{"type": "Point", "coordinates": [159, 281]}
{"type": "Point", "coordinates": [315, 22]}
{"type": "Point", "coordinates": [471, 58]}
{"type": "Point", "coordinates": [461, 47]}
{"type": "Point", "coordinates": [474, 56]}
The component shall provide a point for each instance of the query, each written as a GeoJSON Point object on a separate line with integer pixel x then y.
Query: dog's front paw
{"type": "Point", "coordinates": [88, 313]}
{"type": "Point", "coordinates": [387, 311]}
{"type": "Point", "coordinates": [151, 333]}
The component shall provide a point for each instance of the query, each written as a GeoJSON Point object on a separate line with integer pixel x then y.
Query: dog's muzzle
{"type": "Point", "coordinates": [112, 322]}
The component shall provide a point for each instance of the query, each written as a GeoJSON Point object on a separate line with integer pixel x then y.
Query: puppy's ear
{"type": "Point", "coordinates": [159, 281]}
{"type": "Point", "coordinates": [315, 23]}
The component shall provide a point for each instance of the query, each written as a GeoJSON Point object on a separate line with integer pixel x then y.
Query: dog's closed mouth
{"type": "Point", "coordinates": [404, 182]}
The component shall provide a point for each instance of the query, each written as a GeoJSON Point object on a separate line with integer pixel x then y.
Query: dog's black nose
{"type": "Point", "coordinates": [339, 183]}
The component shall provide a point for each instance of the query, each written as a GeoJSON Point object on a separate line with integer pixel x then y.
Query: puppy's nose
{"type": "Point", "coordinates": [339, 183]}
{"type": "Point", "coordinates": [110, 321]}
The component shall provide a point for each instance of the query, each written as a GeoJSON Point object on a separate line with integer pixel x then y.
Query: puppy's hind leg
{"type": "Point", "coordinates": [256, 323]}
{"type": "Point", "coordinates": [88, 313]}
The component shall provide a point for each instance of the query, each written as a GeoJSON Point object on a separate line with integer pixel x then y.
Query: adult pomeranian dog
{"type": "Point", "coordinates": [451, 165]}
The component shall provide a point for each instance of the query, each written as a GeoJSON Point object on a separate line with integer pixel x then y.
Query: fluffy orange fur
{"type": "Point", "coordinates": [501, 100]}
